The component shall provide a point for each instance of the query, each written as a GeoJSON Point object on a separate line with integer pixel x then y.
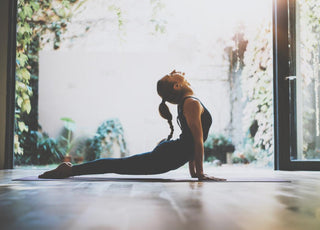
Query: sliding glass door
{"type": "Point", "coordinates": [297, 39]}
{"type": "Point", "coordinates": [307, 71]}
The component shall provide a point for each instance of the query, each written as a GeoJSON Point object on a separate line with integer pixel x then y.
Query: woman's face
{"type": "Point", "coordinates": [177, 88]}
{"type": "Point", "coordinates": [178, 78]}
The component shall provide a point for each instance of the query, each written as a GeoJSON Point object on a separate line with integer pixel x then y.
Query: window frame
{"type": "Point", "coordinates": [285, 141]}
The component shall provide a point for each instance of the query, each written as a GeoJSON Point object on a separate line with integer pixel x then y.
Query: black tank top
{"type": "Point", "coordinates": [206, 121]}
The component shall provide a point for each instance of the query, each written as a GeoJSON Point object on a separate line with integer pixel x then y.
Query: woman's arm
{"type": "Point", "coordinates": [192, 169]}
{"type": "Point", "coordinates": [192, 112]}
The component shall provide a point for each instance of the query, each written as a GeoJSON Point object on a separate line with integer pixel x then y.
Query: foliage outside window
{"type": "Point", "coordinates": [38, 21]}
{"type": "Point", "coordinates": [44, 21]}
{"type": "Point", "coordinates": [309, 48]}
{"type": "Point", "coordinates": [257, 89]}
{"type": "Point", "coordinates": [250, 61]}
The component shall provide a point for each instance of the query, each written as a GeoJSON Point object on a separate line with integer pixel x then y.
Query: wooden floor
{"type": "Point", "coordinates": [163, 205]}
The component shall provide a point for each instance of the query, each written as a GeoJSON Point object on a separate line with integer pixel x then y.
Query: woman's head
{"type": "Point", "coordinates": [172, 88]}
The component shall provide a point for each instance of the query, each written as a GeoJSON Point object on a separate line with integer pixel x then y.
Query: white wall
{"type": "Point", "coordinates": [91, 87]}
{"type": "Point", "coordinates": [102, 71]}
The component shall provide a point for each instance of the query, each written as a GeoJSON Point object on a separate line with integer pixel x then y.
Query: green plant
{"type": "Point", "coordinates": [216, 146]}
{"type": "Point", "coordinates": [108, 132]}
{"type": "Point", "coordinates": [45, 150]}
{"type": "Point", "coordinates": [312, 154]}
{"type": "Point", "coordinates": [35, 21]}
{"type": "Point", "coordinates": [239, 160]}
{"type": "Point", "coordinates": [158, 23]}
{"type": "Point", "coordinates": [211, 158]}
{"type": "Point", "coordinates": [66, 140]}
{"type": "Point", "coordinates": [247, 154]}
{"type": "Point", "coordinates": [48, 151]}
{"type": "Point", "coordinates": [214, 140]}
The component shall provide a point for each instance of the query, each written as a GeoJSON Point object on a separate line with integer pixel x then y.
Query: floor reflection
{"type": "Point", "coordinates": [157, 204]}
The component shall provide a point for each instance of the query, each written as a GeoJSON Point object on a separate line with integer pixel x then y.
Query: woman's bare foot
{"type": "Point", "coordinates": [62, 171]}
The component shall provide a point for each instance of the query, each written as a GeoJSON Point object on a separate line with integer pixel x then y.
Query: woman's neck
{"type": "Point", "coordinates": [186, 95]}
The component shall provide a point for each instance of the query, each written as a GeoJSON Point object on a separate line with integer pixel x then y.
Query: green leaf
{"type": "Point", "coordinates": [22, 126]}
{"type": "Point", "coordinates": [20, 87]}
{"type": "Point", "coordinates": [22, 59]}
{"type": "Point", "coordinates": [25, 96]}
{"type": "Point", "coordinates": [66, 4]}
{"type": "Point", "coordinates": [35, 6]}
{"type": "Point", "coordinates": [64, 139]}
{"type": "Point", "coordinates": [23, 74]}
{"type": "Point", "coordinates": [26, 106]}
{"type": "Point", "coordinates": [62, 12]}
{"type": "Point", "coordinates": [24, 28]}
{"type": "Point", "coordinates": [19, 101]}
{"type": "Point", "coordinates": [27, 11]}
{"type": "Point", "coordinates": [67, 119]}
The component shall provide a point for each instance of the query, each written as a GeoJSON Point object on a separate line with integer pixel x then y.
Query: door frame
{"type": "Point", "coordinates": [281, 70]}
{"type": "Point", "coordinates": [11, 82]}
{"type": "Point", "coordinates": [284, 121]}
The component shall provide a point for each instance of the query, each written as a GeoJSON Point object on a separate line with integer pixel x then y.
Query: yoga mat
{"type": "Point", "coordinates": [143, 179]}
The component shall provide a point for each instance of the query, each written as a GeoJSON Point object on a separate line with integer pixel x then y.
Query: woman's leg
{"type": "Point", "coordinates": [162, 159]}
{"type": "Point", "coordinates": [140, 164]}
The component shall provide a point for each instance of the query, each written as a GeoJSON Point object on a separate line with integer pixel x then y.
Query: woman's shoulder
{"type": "Point", "coordinates": [192, 104]}
{"type": "Point", "coordinates": [190, 98]}
{"type": "Point", "coordinates": [192, 101]}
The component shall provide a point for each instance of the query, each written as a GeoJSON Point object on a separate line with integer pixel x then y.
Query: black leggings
{"type": "Point", "coordinates": [168, 155]}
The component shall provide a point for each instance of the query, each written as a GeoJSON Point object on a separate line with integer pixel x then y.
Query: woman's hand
{"type": "Point", "coordinates": [204, 177]}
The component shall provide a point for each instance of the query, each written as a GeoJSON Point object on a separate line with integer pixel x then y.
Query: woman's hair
{"type": "Point", "coordinates": [165, 113]}
{"type": "Point", "coordinates": [167, 93]}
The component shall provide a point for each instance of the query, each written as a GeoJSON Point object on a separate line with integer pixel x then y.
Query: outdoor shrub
{"type": "Point", "coordinates": [35, 20]}
{"type": "Point", "coordinates": [108, 132]}
{"type": "Point", "coordinates": [240, 160]}
{"type": "Point", "coordinates": [48, 151]}
{"type": "Point", "coordinates": [40, 150]}
{"type": "Point", "coordinates": [216, 147]}
{"type": "Point", "coordinates": [256, 83]}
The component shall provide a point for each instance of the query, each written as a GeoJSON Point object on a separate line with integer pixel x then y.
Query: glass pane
{"type": "Point", "coordinates": [307, 38]}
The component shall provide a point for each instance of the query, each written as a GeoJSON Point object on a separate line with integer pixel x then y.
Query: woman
{"type": "Point", "coordinates": [194, 121]}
